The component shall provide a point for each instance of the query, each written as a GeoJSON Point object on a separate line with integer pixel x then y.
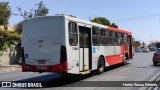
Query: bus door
{"type": "Point", "coordinates": [85, 48]}
{"type": "Point", "coordinates": [130, 47]}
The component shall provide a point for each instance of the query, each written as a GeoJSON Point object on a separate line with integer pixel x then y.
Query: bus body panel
{"type": "Point", "coordinates": [113, 55]}
{"type": "Point", "coordinates": [72, 51]}
{"type": "Point", "coordinates": [42, 39]}
{"type": "Point", "coordinates": [73, 60]}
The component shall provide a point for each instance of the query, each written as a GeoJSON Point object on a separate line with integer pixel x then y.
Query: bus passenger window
{"type": "Point", "coordinates": [102, 32]}
{"type": "Point", "coordinates": [103, 37]}
{"type": "Point", "coordinates": [119, 38]}
{"type": "Point", "coordinates": [96, 32]}
{"type": "Point", "coordinates": [73, 36]}
{"type": "Point", "coordinates": [125, 41]}
{"type": "Point", "coordinates": [106, 38]}
{"type": "Point", "coordinates": [113, 38]}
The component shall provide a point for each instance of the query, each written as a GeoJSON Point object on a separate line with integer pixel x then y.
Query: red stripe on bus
{"type": "Point", "coordinates": [115, 59]}
{"type": "Point", "coordinates": [59, 68]}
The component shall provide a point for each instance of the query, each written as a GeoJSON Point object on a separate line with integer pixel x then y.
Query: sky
{"type": "Point", "coordinates": [141, 17]}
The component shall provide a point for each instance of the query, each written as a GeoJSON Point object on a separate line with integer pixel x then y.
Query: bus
{"type": "Point", "coordinates": [65, 44]}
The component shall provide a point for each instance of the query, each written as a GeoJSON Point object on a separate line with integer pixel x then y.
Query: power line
{"type": "Point", "coordinates": [139, 17]}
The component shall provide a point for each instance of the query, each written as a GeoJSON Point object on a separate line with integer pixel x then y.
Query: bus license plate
{"type": "Point", "coordinates": [41, 61]}
{"type": "Point", "coordinates": [41, 67]}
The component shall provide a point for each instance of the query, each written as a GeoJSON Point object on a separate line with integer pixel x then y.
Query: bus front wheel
{"type": "Point", "coordinates": [100, 66]}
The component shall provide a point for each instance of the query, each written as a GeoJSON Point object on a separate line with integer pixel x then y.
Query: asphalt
{"type": "Point", "coordinates": [140, 69]}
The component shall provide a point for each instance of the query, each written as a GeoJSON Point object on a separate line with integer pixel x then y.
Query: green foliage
{"type": "Point", "coordinates": [114, 25]}
{"type": "Point", "coordinates": [101, 20]}
{"type": "Point", "coordinates": [7, 39]}
{"type": "Point", "coordinates": [19, 27]}
{"type": "Point", "coordinates": [137, 44]}
{"type": "Point", "coordinates": [104, 21]}
{"type": "Point", "coordinates": [40, 10]}
{"type": "Point", "coordinates": [5, 13]}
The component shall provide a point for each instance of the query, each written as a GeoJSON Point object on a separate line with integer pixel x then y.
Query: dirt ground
{"type": "Point", "coordinates": [10, 68]}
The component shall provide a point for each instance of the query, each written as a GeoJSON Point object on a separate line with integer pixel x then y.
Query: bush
{"type": "Point", "coordinates": [8, 38]}
{"type": "Point", "coordinates": [19, 27]}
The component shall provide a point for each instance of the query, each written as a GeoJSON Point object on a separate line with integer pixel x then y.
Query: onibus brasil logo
{"type": "Point", "coordinates": [20, 84]}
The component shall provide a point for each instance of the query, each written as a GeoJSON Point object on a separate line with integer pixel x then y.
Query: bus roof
{"type": "Point", "coordinates": [86, 22]}
{"type": "Point", "coordinates": [119, 30]}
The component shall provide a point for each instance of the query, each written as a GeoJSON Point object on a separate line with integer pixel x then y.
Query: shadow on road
{"type": "Point", "coordinates": [58, 80]}
{"type": "Point", "coordinates": [158, 65]}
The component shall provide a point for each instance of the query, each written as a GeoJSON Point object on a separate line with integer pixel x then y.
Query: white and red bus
{"type": "Point", "coordinates": [65, 44]}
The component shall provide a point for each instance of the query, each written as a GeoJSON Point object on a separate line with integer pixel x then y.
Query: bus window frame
{"type": "Point", "coordinates": [73, 33]}
{"type": "Point", "coordinates": [97, 35]}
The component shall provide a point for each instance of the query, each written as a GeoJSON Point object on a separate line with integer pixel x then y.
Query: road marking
{"type": "Point", "coordinates": [126, 69]}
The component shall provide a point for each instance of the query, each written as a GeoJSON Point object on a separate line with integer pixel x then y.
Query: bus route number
{"type": "Point", "coordinates": [41, 67]}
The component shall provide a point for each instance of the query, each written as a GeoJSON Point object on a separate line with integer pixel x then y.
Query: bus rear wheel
{"type": "Point", "coordinates": [100, 66]}
{"type": "Point", "coordinates": [125, 60]}
{"type": "Point", "coordinates": [155, 63]}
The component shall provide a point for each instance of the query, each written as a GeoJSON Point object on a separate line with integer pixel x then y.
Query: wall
{"type": "Point", "coordinates": [11, 56]}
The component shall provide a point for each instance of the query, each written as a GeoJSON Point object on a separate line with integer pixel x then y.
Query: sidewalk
{"type": "Point", "coordinates": [10, 68]}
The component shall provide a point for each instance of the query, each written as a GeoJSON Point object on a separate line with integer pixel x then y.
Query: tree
{"type": "Point", "coordinates": [101, 20]}
{"type": "Point", "coordinates": [8, 38]}
{"type": "Point", "coordinates": [143, 43]}
{"type": "Point", "coordinates": [114, 25]}
{"type": "Point", "coordinates": [104, 21]}
{"type": "Point", "coordinates": [19, 27]}
{"type": "Point", "coordinates": [40, 10]}
{"type": "Point", "coordinates": [5, 13]}
{"type": "Point", "coordinates": [137, 44]}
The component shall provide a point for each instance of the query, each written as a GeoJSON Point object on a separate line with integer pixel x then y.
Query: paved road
{"type": "Point", "coordinates": [138, 69]}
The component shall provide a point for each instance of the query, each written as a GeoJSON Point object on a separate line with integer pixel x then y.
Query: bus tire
{"type": "Point", "coordinates": [155, 63]}
{"type": "Point", "coordinates": [125, 60]}
{"type": "Point", "coordinates": [100, 66]}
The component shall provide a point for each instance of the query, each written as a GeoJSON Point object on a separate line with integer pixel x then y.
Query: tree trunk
{"type": "Point", "coordinates": [6, 27]}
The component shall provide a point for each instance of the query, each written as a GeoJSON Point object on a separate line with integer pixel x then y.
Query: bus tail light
{"type": "Point", "coordinates": [63, 54]}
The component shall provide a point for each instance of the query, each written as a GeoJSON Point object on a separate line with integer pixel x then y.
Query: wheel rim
{"type": "Point", "coordinates": [101, 69]}
{"type": "Point", "coordinates": [125, 60]}
{"type": "Point", "coordinates": [101, 66]}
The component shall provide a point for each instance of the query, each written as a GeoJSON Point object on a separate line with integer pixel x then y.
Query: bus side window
{"type": "Point", "coordinates": [116, 39]}
{"type": "Point", "coordinates": [113, 37]}
{"type": "Point", "coordinates": [119, 38]}
{"type": "Point", "coordinates": [103, 37]}
{"type": "Point", "coordinates": [73, 36]}
{"type": "Point", "coordinates": [107, 37]}
{"type": "Point", "coordinates": [128, 39]}
{"type": "Point", "coordinates": [125, 40]}
{"type": "Point", "coordinates": [122, 41]}
{"type": "Point", "coordinates": [96, 36]}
